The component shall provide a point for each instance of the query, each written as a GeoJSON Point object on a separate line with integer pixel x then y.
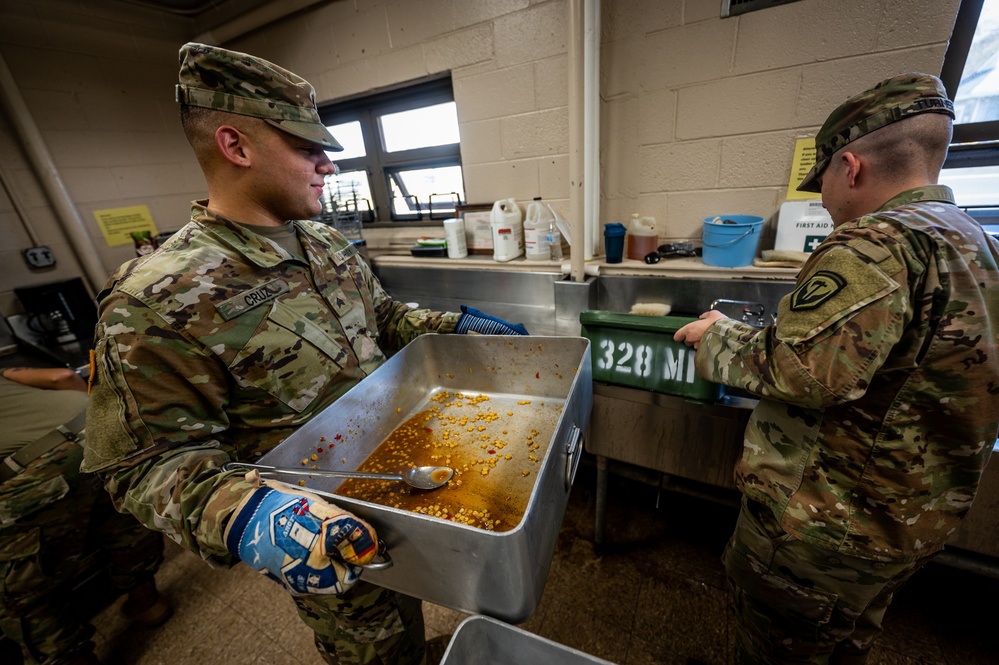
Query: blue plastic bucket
{"type": "Point", "coordinates": [730, 240]}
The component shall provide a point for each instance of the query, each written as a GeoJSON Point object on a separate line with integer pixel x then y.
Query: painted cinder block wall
{"type": "Point", "coordinates": [699, 114]}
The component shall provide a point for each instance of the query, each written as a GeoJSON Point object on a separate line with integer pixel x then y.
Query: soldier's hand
{"type": "Point", "coordinates": [299, 540]}
{"type": "Point", "coordinates": [692, 333]}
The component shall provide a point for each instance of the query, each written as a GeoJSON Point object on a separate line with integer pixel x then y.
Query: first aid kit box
{"type": "Point", "coordinates": [802, 225]}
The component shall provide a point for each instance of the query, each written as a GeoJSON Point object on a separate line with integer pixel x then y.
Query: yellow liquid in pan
{"type": "Point", "coordinates": [495, 444]}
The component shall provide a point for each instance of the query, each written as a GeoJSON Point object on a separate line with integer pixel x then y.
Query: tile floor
{"type": "Point", "coordinates": [653, 594]}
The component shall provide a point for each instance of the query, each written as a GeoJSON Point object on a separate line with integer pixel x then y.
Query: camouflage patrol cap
{"type": "Point", "coordinates": [216, 78]}
{"type": "Point", "coordinates": [891, 100]}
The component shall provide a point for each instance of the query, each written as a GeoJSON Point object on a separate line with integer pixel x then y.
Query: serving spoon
{"type": "Point", "coordinates": [420, 477]}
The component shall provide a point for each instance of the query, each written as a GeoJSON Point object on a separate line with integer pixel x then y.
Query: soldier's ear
{"type": "Point", "coordinates": [853, 165]}
{"type": "Point", "coordinates": [233, 144]}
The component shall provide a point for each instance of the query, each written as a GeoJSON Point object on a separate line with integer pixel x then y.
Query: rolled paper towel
{"type": "Point", "coordinates": [781, 258]}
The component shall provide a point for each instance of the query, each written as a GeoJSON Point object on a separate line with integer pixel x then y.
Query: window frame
{"type": "Point", "coordinates": [973, 144]}
{"type": "Point", "coordinates": [380, 165]}
{"type": "Point", "coordinates": [972, 136]}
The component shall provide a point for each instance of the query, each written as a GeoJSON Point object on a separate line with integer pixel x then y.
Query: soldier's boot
{"type": "Point", "coordinates": [145, 605]}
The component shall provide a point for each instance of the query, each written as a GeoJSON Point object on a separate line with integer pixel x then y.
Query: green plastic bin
{"type": "Point", "coordinates": [638, 351]}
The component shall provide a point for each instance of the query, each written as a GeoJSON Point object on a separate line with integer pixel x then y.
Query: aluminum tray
{"type": "Point", "coordinates": [483, 641]}
{"type": "Point", "coordinates": [495, 573]}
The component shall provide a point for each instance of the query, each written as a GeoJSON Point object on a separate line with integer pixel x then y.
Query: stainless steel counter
{"type": "Point", "coordinates": [677, 438]}
{"type": "Point", "coordinates": [547, 303]}
{"type": "Point", "coordinates": [515, 296]}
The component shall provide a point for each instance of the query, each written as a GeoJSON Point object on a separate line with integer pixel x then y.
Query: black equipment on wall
{"type": "Point", "coordinates": [60, 312]}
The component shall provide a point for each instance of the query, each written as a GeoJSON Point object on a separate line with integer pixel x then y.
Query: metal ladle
{"type": "Point", "coordinates": [420, 477]}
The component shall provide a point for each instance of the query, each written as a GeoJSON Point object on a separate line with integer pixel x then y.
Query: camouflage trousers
{"type": "Point", "coordinates": [367, 625]}
{"type": "Point", "coordinates": [51, 518]}
{"type": "Point", "coordinates": [797, 603]}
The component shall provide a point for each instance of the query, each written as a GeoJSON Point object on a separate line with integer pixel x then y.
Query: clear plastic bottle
{"type": "Point", "coordinates": [554, 239]}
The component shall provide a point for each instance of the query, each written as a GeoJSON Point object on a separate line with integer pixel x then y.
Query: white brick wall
{"type": "Point", "coordinates": [722, 101]}
{"type": "Point", "coordinates": [698, 116]}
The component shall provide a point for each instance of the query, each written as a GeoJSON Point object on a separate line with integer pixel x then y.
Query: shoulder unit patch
{"type": "Point", "coordinates": [819, 288]}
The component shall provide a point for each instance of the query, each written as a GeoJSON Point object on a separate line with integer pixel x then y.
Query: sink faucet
{"type": "Point", "coordinates": [753, 313]}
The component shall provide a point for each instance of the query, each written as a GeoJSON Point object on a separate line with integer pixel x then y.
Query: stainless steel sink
{"type": "Point", "coordinates": [548, 304]}
{"type": "Point", "coordinates": [691, 297]}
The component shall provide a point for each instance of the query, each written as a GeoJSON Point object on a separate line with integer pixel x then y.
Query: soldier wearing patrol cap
{"type": "Point", "coordinates": [242, 327]}
{"type": "Point", "coordinates": [878, 387]}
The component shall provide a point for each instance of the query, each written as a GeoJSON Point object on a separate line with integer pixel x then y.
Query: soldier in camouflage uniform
{"type": "Point", "coordinates": [878, 387]}
{"type": "Point", "coordinates": [242, 327]}
{"type": "Point", "coordinates": [51, 515]}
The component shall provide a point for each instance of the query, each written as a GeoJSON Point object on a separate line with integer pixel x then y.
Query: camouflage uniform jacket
{"type": "Point", "coordinates": [216, 348]}
{"type": "Point", "coordinates": [879, 382]}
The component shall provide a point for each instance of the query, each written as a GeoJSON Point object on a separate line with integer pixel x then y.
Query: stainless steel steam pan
{"type": "Point", "coordinates": [496, 573]}
{"type": "Point", "coordinates": [483, 641]}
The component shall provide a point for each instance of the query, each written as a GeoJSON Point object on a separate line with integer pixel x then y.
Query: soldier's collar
{"type": "Point", "coordinates": [255, 248]}
{"type": "Point", "coordinates": [916, 194]}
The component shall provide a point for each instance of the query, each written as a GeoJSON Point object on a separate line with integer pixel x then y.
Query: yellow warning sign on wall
{"type": "Point", "coordinates": [118, 224]}
{"type": "Point", "coordinates": [804, 159]}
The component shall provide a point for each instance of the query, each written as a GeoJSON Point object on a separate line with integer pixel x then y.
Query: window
{"type": "Point", "coordinates": [971, 71]}
{"type": "Point", "coordinates": [401, 160]}
{"type": "Point", "coordinates": [971, 75]}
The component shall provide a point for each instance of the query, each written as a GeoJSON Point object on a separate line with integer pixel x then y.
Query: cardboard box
{"type": "Point", "coordinates": [478, 232]}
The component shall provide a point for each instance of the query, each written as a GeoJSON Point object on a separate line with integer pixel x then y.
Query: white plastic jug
{"type": "Point", "coordinates": [642, 237]}
{"type": "Point", "coordinates": [506, 222]}
{"type": "Point", "coordinates": [536, 226]}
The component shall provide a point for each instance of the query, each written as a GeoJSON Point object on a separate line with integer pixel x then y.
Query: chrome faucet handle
{"type": "Point", "coordinates": [753, 313]}
{"type": "Point", "coordinates": [748, 306]}
{"type": "Point", "coordinates": [724, 301]}
{"type": "Point", "coordinates": [757, 310]}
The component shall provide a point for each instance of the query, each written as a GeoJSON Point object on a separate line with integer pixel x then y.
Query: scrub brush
{"type": "Point", "coordinates": [650, 309]}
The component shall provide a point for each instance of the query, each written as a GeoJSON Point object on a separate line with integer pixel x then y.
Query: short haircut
{"type": "Point", "coordinates": [912, 146]}
{"type": "Point", "coordinates": [200, 124]}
